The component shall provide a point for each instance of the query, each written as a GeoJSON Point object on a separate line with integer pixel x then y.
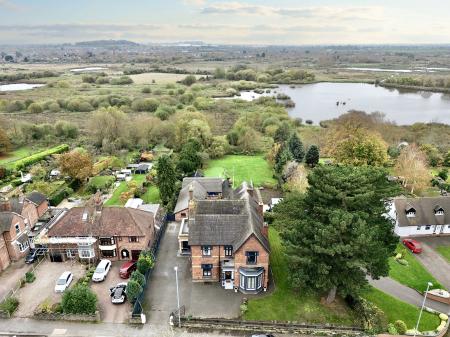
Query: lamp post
{"type": "Point", "coordinates": [178, 296]}
{"type": "Point", "coordinates": [429, 284]}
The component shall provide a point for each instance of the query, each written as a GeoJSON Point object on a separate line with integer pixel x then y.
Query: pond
{"type": "Point", "coordinates": [19, 86]}
{"type": "Point", "coordinates": [318, 102]}
{"type": "Point", "coordinates": [87, 69]}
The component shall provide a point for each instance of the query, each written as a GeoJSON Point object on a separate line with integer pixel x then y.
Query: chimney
{"type": "Point", "coordinates": [260, 202]}
{"type": "Point", "coordinates": [5, 205]}
{"type": "Point", "coordinates": [265, 230]}
{"type": "Point", "coordinates": [250, 189]}
{"type": "Point", "coordinates": [98, 203]}
{"type": "Point", "coordinates": [191, 192]}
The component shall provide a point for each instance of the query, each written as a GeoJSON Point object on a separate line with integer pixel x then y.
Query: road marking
{"type": "Point", "coordinates": [59, 332]}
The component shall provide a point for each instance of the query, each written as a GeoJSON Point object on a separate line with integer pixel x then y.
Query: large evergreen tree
{"type": "Point", "coordinates": [296, 148]}
{"type": "Point", "coordinates": [312, 156]}
{"type": "Point", "coordinates": [166, 178]}
{"type": "Point", "coordinates": [282, 133]}
{"type": "Point", "coordinates": [337, 233]}
{"type": "Point", "coordinates": [190, 159]}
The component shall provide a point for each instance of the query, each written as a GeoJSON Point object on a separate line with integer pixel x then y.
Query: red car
{"type": "Point", "coordinates": [413, 246]}
{"type": "Point", "coordinates": [127, 268]}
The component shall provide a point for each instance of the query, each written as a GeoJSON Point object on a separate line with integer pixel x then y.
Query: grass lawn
{"type": "Point", "coordinates": [248, 168]}
{"type": "Point", "coordinates": [444, 251]}
{"type": "Point", "coordinates": [115, 198]}
{"type": "Point", "coordinates": [286, 305]}
{"type": "Point", "coordinates": [396, 309]}
{"type": "Point", "coordinates": [20, 153]}
{"type": "Point", "coordinates": [414, 275]}
{"type": "Point", "coordinates": [151, 196]}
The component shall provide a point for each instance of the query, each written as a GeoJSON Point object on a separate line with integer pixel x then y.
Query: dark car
{"type": "Point", "coordinates": [118, 293]}
{"type": "Point", "coordinates": [32, 256]}
{"type": "Point", "coordinates": [263, 335]}
{"type": "Point", "coordinates": [413, 246]}
{"type": "Point", "coordinates": [127, 268]}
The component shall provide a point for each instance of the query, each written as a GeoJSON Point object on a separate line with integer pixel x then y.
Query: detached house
{"type": "Point", "coordinates": [228, 240]}
{"type": "Point", "coordinates": [17, 217]}
{"type": "Point", "coordinates": [116, 233]}
{"type": "Point", "coordinates": [199, 188]}
{"type": "Point", "coordinates": [421, 216]}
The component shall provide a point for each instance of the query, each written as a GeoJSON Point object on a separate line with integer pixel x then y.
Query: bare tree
{"type": "Point", "coordinates": [412, 169]}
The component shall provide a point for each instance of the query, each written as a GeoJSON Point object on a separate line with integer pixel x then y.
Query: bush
{"type": "Point", "coordinates": [189, 80]}
{"type": "Point", "coordinates": [401, 327]}
{"type": "Point", "coordinates": [403, 262]}
{"type": "Point", "coordinates": [35, 108]}
{"type": "Point", "coordinates": [54, 107]}
{"type": "Point", "coordinates": [373, 319]}
{"type": "Point", "coordinates": [138, 277]}
{"type": "Point", "coordinates": [392, 330]}
{"type": "Point", "coordinates": [79, 300]}
{"type": "Point", "coordinates": [148, 104]}
{"type": "Point", "coordinates": [146, 90]}
{"type": "Point", "coordinates": [59, 195]}
{"type": "Point", "coordinates": [27, 161]}
{"type": "Point", "coordinates": [9, 305]}
{"type": "Point", "coordinates": [79, 105]}
{"type": "Point", "coordinates": [243, 308]}
{"type": "Point", "coordinates": [145, 263]}
{"type": "Point", "coordinates": [133, 290]}
{"type": "Point", "coordinates": [29, 277]}
{"type": "Point", "coordinates": [122, 80]}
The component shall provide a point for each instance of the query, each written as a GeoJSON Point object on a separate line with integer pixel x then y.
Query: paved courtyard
{"type": "Point", "coordinates": [200, 300]}
{"type": "Point", "coordinates": [10, 277]}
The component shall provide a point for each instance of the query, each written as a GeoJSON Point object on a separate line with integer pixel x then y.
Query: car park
{"type": "Point", "coordinates": [101, 271]}
{"type": "Point", "coordinates": [127, 268]}
{"type": "Point", "coordinates": [63, 282]}
{"type": "Point", "coordinates": [413, 246]}
{"type": "Point", "coordinates": [118, 293]}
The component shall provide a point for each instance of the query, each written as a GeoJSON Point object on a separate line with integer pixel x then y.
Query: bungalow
{"type": "Point", "coordinates": [116, 233]}
{"type": "Point", "coordinates": [199, 188]}
{"type": "Point", "coordinates": [421, 216]}
{"type": "Point", "coordinates": [228, 241]}
{"type": "Point", "coordinates": [17, 217]}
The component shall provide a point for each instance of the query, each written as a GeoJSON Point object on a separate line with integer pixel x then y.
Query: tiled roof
{"type": "Point", "coordinates": [36, 197]}
{"type": "Point", "coordinates": [425, 211]}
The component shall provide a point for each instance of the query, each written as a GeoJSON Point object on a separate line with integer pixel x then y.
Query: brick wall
{"type": "Point", "coordinates": [13, 249]}
{"type": "Point", "coordinates": [198, 260]}
{"type": "Point", "coordinates": [181, 214]}
{"type": "Point", "coordinates": [42, 208]}
{"type": "Point", "coordinates": [30, 212]}
{"type": "Point", "coordinates": [4, 255]}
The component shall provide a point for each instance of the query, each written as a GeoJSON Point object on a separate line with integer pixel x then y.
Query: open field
{"type": "Point", "coordinates": [242, 168]}
{"type": "Point", "coordinates": [147, 78]}
{"type": "Point", "coordinates": [284, 304]}
{"type": "Point", "coordinates": [414, 275]}
{"type": "Point", "coordinates": [398, 310]}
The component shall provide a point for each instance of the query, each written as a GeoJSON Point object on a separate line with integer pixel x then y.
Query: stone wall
{"type": "Point", "coordinates": [67, 317]}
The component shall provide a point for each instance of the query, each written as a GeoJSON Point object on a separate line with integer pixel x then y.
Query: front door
{"type": "Point", "coordinates": [227, 280]}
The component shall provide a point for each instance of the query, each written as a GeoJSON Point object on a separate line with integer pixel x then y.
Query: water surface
{"type": "Point", "coordinates": [19, 86]}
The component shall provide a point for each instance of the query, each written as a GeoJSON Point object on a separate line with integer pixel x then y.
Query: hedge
{"type": "Point", "coordinates": [59, 195]}
{"type": "Point", "coordinates": [27, 161]}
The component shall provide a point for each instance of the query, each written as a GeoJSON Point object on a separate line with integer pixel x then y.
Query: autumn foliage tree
{"type": "Point", "coordinates": [77, 164]}
{"type": "Point", "coordinates": [412, 169]}
{"type": "Point", "coordinates": [5, 144]}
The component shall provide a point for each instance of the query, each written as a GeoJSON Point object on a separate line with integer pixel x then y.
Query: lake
{"type": "Point", "coordinates": [317, 102]}
{"type": "Point", "coordinates": [19, 86]}
{"type": "Point", "coordinates": [87, 69]}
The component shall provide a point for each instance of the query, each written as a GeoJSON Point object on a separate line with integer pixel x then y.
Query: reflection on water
{"type": "Point", "coordinates": [19, 86]}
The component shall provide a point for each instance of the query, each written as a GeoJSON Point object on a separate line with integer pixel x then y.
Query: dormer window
{"type": "Point", "coordinates": [438, 210]}
{"type": "Point", "coordinates": [410, 212]}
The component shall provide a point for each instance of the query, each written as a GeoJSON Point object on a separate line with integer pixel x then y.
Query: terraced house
{"type": "Point", "coordinates": [228, 240]}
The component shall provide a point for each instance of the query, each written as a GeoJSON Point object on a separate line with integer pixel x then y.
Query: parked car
{"type": "Point", "coordinates": [101, 271]}
{"type": "Point", "coordinates": [413, 245]}
{"type": "Point", "coordinates": [118, 293]}
{"type": "Point", "coordinates": [63, 282]}
{"type": "Point", "coordinates": [127, 268]}
{"type": "Point", "coordinates": [32, 256]}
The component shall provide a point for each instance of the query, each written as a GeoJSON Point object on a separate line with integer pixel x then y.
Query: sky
{"type": "Point", "coordinates": [263, 22]}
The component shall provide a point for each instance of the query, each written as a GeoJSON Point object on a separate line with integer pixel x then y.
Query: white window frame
{"type": "Point", "coordinates": [23, 246]}
{"type": "Point", "coordinates": [17, 228]}
{"type": "Point", "coordinates": [83, 255]}
{"type": "Point", "coordinates": [411, 214]}
{"type": "Point", "coordinates": [206, 250]}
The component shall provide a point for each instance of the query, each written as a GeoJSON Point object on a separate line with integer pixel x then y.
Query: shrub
{"type": "Point", "coordinates": [29, 277]}
{"type": "Point", "coordinates": [189, 80]}
{"type": "Point", "coordinates": [392, 330]}
{"type": "Point", "coordinates": [243, 308]}
{"type": "Point", "coordinates": [9, 305]}
{"type": "Point", "coordinates": [54, 107]}
{"type": "Point", "coordinates": [146, 90]}
{"type": "Point", "coordinates": [79, 105]}
{"type": "Point", "coordinates": [122, 80]}
{"type": "Point", "coordinates": [145, 263]}
{"type": "Point", "coordinates": [79, 300]}
{"type": "Point", "coordinates": [138, 277]}
{"type": "Point", "coordinates": [373, 319]}
{"type": "Point", "coordinates": [148, 104]}
{"type": "Point", "coordinates": [403, 262]}
{"type": "Point", "coordinates": [35, 108]}
{"type": "Point", "coordinates": [102, 80]}
{"type": "Point", "coordinates": [133, 290]}
{"type": "Point", "coordinates": [401, 327]}
{"type": "Point", "coordinates": [46, 306]}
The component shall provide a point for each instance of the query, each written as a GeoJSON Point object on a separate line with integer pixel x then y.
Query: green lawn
{"type": "Point", "coordinates": [414, 275]}
{"type": "Point", "coordinates": [151, 196]}
{"type": "Point", "coordinates": [20, 153]}
{"type": "Point", "coordinates": [115, 198]}
{"type": "Point", "coordinates": [286, 305]}
{"type": "Point", "coordinates": [248, 168]}
{"type": "Point", "coordinates": [444, 251]}
{"type": "Point", "coordinates": [396, 309]}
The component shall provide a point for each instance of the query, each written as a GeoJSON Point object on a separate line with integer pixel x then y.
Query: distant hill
{"type": "Point", "coordinates": [107, 43]}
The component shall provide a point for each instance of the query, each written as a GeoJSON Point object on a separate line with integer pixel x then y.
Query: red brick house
{"type": "Point", "coordinates": [115, 233]}
{"type": "Point", "coordinates": [228, 239]}
{"type": "Point", "coordinates": [17, 217]}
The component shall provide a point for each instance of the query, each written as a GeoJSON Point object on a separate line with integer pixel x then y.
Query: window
{"type": "Point", "coordinates": [439, 212]}
{"type": "Point", "coordinates": [228, 250]}
{"type": "Point", "coordinates": [252, 257]}
{"type": "Point", "coordinates": [71, 253]}
{"type": "Point", "coordinates": [86, 253]}
{"type": "Point", "coordinates": [106, 241]}
{"type": "Point", "coordinates": [120, 238]}
{"type": "Point", "coordinates": [418, 228]}
{"type": "Point", "coordinates": [207, 270]}
{"type": "Point", "coordinates": [108, 253]}
{"type": "Point", "coordinates": [427, 227]}
{"type": "Point", "coordinates": [411, 214]}
{"type": "Point", "coordinates": [250, 279]}
{"type": "Point", "coordinates": [133, 239]}
{"type": "Point", "coordinates": [17, 227]}
{"type": "Point", "coordinates": [23, 246]}
{"type": "Point", "coordinates": [206, 250]}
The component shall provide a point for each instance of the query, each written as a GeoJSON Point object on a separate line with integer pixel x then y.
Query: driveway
{"type": "Point", "coordinates": [33, 294]}
{"type": "Point", "coordinates": [111, 313]}
{"type": "Point", "coordinates": [200, 300]}
{"type": "Point", "coordinates": [10, 277]}
{"type": "Point", "coordinates": [432, 260]}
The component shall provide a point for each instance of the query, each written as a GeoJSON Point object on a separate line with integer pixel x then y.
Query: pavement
{"type": "Point", "coordinates": [111, 313]}
{"type": "Point", "coordinates": [199, 300]}
{"type": "Point", "coordinates": [10, 277]}
{"type": "Point", "coordinates": [432, 260]}
{"type": "Point", "coordinates": [407, 294]}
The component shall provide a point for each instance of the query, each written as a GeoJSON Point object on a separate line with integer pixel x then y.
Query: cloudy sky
{"type": "Point", "coordinates": [232, 22]}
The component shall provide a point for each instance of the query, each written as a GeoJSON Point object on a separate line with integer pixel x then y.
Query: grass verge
{"type": "Point", "coordinates": [444, 251]}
